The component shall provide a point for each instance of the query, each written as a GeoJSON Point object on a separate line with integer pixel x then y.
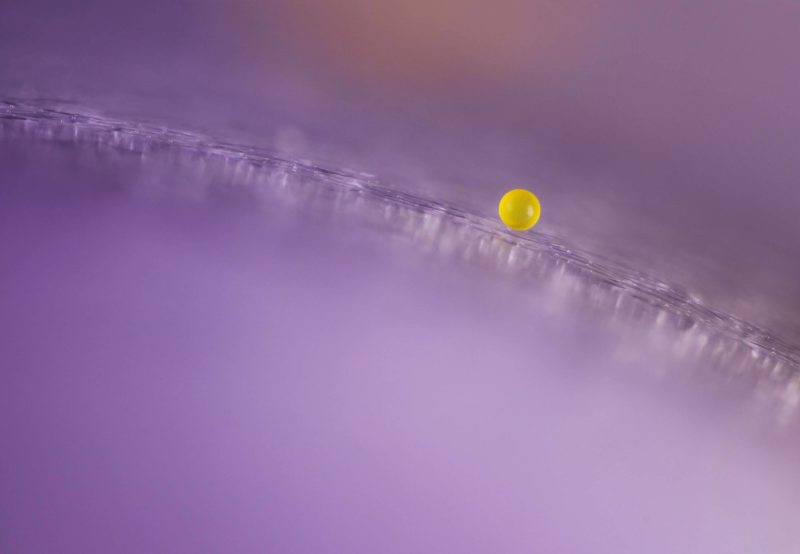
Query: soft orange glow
{"type": "Point", "coordinates": [442, 43]}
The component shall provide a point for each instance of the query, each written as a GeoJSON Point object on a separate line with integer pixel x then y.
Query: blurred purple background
{"type": "Point", "coordinates": [663, 133]}
{"type": "Point", "coordinates": [199, 378]}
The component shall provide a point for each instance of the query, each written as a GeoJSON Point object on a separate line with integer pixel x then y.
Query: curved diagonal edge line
{"type": "Point", "coordinates": [771, 359]}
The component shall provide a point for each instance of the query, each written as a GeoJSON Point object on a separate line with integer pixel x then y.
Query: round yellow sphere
{"type": "Point", "coordinates": [519, 209]}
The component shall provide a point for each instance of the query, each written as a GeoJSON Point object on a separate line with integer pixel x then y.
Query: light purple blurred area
{"type": "Point", "coordinates": [213, 376]}
{"type": "Point", "coordinates": [195, 377]}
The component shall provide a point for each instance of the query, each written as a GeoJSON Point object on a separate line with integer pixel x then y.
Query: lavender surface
{"type": "Point", "coordinates": [253, 295]}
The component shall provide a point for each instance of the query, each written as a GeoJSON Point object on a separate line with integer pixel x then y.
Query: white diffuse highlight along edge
{"type": "Point", "coordinates": [678, 330]}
